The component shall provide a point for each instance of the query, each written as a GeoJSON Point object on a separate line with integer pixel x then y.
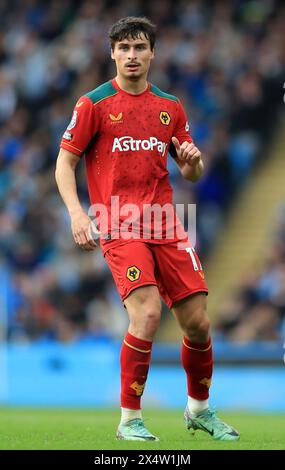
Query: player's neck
{"type": "Point", "coordinates": [134, 87]}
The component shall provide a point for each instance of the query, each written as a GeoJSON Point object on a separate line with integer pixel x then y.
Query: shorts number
{"type": "Point", "coordinates": [191, 252]}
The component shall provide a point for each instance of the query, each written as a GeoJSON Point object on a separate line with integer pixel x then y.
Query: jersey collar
{"type": "Point", "coordinates": [115, 85]}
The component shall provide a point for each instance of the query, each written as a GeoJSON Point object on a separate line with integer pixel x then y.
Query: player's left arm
{"type": "Point", "coordinates": [189, 160]}
{"type": "Point", "coordinates": [185, 153]}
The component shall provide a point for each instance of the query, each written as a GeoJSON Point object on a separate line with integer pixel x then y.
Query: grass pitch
{"type": "Point", "coordinates": [70, 429]}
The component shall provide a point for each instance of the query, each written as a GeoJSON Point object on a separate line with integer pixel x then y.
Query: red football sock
{"type": "Point", "coordinates": [135, 360]}
{"type": "Point", "coordinates": [197, 360]}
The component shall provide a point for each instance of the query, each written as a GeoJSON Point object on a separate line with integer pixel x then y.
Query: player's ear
{"type": "Point", "coordinates": [152, 54]}
{"type": "Point", "coordinates": [112, 54]}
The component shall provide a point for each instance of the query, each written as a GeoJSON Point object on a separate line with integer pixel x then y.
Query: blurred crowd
{"type": "Point", "coordinates": [224, 60]}
{"type": "Point", "coordinates": [256, 309]}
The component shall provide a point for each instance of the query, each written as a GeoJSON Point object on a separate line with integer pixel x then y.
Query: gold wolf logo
{"type": "Point", "coordinates": [133, 273]}
{"type": "Point", "coordinates": [164, 118]}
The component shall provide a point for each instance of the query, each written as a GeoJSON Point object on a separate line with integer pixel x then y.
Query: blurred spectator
{"type": "Point", "coordinates": [256, 310]}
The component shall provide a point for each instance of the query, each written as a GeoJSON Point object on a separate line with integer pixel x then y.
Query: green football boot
{"type": "Point", "coordinates": [134, 430]}
{"type": "Point", "coordinates": [209, 422]}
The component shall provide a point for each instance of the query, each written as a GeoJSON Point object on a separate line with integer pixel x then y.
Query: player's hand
{"type": "Point", "coordinates": [187, 152]}
{"type": "Point", "coordinates": [82, 228]}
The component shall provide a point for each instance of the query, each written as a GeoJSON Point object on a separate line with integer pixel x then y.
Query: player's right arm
{"type": "Point", "coordinates": [66, 182]}
{"type": "Point", "coordinates": [76, 139]}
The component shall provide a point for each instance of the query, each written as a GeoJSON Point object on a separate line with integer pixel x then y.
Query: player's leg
{"type": "Point", "coordinates": [196, 354]}
{"type": "Point", "coordinates": [133, 271]}
{"type": "Point", "coordinates": [144, 310]}
{"type": "Point", "coordinates": [184, 290]}
{"type": "Point", "coordinates": [197, 360]}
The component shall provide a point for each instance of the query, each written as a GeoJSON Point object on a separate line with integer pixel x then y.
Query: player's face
{"type": "Point", "coordinates": [132, 57]}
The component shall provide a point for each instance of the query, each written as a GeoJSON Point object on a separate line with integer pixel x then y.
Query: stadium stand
{"type": "Point", "coordinates": [224, 60]}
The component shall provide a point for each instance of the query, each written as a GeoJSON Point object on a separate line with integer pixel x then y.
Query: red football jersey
{"type": "Point", "coordinates": [126, 139]}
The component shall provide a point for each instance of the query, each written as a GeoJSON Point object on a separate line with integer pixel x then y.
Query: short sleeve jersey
{"type": "Point", "coordinates": [126, 139]}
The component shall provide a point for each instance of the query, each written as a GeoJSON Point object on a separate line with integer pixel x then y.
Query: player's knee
{"type": "Point", "coordinates": [197, 327]}
{"type": "Point", "coordinates": [147, 322]}
{"type": "Point", "coordinates": [151, 319]}
{"type": "Point", "coordinates": [144, 309]}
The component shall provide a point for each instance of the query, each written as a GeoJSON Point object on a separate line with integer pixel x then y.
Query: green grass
{"type": "Point", "coordinates": [47, 429]}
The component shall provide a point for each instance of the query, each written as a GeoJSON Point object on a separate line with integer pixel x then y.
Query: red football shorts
{"type": "Point", "coordinates": [176, 273]}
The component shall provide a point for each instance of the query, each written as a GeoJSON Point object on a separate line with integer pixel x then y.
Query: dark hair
{"type": "Point", "coordinates": [132, 26]}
